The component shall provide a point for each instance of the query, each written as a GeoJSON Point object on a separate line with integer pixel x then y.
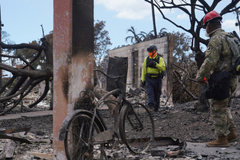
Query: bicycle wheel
{"type": "Point", "coordinates": [76, 142]}
{"type": "Point", "coordinates": [136, 127]}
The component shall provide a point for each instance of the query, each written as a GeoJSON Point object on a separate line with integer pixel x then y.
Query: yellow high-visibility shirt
{"type": "Point", "coordinates": [160, 68]}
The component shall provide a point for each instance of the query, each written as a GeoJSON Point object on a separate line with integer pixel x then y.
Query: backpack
{"type": "Point", "coordinates": [164, 73]}
{"type": "Point", "coordinates": [234, 45]}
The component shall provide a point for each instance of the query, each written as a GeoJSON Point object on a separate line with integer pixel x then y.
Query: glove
{"type": "Point", "coordinates": [152, 63]}
{"type": "Point", "coordinates": [204, 80]}
{"type": "Point", "coordinates": [142, 84]}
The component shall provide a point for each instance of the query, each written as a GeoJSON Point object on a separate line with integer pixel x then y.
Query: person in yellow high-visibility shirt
{"type": "Point", "coordinates": [152, 69]}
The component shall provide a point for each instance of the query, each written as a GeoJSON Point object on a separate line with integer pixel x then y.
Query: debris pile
{"type": "Point", "coordinates": [177, 122]}
{"type": "Point", "coordinates": [40, 147]}
{"type": "Point", "coordinates": [138, 95]}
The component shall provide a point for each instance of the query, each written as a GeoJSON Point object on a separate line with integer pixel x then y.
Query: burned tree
{"type": "Point", "coordinates": [192, 9]}
{"type": "Point", "coordinates": [184, 69]}
{"type": "Point", "coordinates": [27, 77]}
{"type": "Point", "coordinates": [195, 23]}
{"type": "Point", "coordinates": [33, 55]}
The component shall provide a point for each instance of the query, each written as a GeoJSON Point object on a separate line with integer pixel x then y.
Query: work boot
{"type": "Point", "coordinates": [221, 141]}
{"type": "Point", "coordinates": [232, 136]}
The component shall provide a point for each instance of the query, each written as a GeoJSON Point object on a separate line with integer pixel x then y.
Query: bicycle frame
{"type": "Point", "coordinates": [124, 113]}
{"type": "Point", "coordinates": [99, 103]}
{"type": "Point", "coordinates": [120, 102]}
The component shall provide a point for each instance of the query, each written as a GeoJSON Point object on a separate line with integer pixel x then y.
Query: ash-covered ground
{"type": "Point", "coordinates": [179, 121]}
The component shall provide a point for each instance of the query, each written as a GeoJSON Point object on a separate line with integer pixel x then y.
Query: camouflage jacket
{"type": "Point", "coordinates": [217, 47]}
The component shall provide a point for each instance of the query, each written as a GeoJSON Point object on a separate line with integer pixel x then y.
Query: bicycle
{"type": "Point", "coordinates": [86, 135]}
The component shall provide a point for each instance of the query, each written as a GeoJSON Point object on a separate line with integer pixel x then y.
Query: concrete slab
{"type": "Point", "coordinates": [35, 114]}
{"type": "Point", "coordinates": [27, 114]}
{"type": "Point", "coordinates": [199, 150]}
{"type": "Point", "coordinates": [233, 151]}
{"type": "Point", "coordinates": [10, 116]}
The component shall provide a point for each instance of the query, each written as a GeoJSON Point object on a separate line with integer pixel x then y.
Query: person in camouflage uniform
{"type": "Point", "coordinates": [220, 109]}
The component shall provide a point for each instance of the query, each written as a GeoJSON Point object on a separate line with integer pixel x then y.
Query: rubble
{"type": "Point", "coordinates": [40, 135]}
{"type": "Point", "coordinates": [9, 149]}
{"type": "Point", "coordinates": [137, 95]}
{"type": "Point", "coordinates": [41, 146]}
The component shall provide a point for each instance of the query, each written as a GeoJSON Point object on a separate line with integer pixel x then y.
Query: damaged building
{"type": "Point", "coordinates": [135, 56]}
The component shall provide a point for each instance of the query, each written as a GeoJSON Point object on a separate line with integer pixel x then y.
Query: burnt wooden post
{"type": "Point", "coordinates": [73, 60]}
{"type": "Point", "coordinates": [1, 25]}
{"type": "Point", "coordinates": [170, 69]}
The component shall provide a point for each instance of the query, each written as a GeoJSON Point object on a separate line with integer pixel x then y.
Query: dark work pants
{"type": "Point", "coordinates": [153, 90]}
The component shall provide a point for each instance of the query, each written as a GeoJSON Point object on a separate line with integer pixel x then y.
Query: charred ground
{"type": "Point", "coordinates": [179, 122]}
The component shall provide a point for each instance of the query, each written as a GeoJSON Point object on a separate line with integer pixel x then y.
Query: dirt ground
{"type": "Point", "coordinates": [180, 122]}
{"type": "Point", "coordinates": [184, 123]}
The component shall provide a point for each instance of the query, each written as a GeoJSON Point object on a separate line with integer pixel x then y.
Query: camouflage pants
{"type": "Point", "coordinates": [221, 111]}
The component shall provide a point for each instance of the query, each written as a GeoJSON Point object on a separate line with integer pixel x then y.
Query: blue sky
{"type": "Point", "coordinates": [22, 18]}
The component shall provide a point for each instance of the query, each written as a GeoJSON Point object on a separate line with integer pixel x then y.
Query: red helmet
{"type": "Point", "coordinates": [210, 16]}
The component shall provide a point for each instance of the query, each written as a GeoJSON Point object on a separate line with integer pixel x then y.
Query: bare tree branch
{"type": "Point", "coordinates": [25, 80]}
{"type": "Point", "coordinates": [230, 6]}
{"type": "Point", "coordinates": [214, 4]}
{"type": "Point", "coordinates": [20, 46]}
{"type": "Point", "coordinates": [203, 6]}
{"type": "Point", "coordinates": [184, 87]}
{"type": "Point", "coordinates": [42, 96]}
{"type": "Point", "coordinates": [186, 72]}
{"type": "Point", "coordinates": [20, 57]}
{"type": "Point", "coordinates": [34, 74]}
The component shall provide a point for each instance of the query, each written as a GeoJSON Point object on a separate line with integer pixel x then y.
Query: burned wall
{"type": "Point", "coordinates": [136, 54]}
